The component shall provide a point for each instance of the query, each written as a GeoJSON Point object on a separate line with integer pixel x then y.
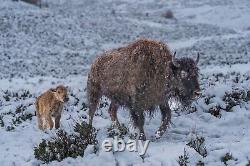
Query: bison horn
{"type": "Point", "coordinates": [175, 63]}
{"type": "Point", "coordinates": [197, 59]}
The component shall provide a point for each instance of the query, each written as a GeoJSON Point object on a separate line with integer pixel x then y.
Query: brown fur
{"type": "Point", "coordinates": [121, 72]}
{"type": "Point", "coordinates": [50, 104]}
{"type": "Point", "coordinates": [138, 76]}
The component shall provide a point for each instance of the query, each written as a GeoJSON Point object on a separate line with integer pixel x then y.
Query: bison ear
{"type": "Point", "coordinates": [172, 67]}
{"type": "Point", "coordinates": [174, 62]}
{"type": "Point", "coordinates": [197, 59]}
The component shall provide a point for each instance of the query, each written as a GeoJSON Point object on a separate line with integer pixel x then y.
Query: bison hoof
{"type": "Point", "coordinates": [142, 137]}
{"type": "Point", "coordinates": [158, 134]}
{"type": "Point", "coordinates": [115, 124]}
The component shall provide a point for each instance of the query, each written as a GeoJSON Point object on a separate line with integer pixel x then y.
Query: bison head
{"type": "Point", "coordinates": [185, 74]}
{"type": "Point", "coordinates": [61, 93]}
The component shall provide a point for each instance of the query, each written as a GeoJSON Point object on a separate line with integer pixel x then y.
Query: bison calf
{"type": "Point", "coordinates": [142, 76]}
{"type": "Point", "coordinates": [50, 104]}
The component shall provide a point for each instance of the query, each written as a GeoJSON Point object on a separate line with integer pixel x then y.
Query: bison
{"type": "Point", "coordinates": [141, 76]}
{"type": "Point", "coordinates": [50, 104]}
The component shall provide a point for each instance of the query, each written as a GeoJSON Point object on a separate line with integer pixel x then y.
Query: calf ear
{"type": "Point", "coordinates": [68, 88]}
{"type": "Point", "coordinates": [53, 89]}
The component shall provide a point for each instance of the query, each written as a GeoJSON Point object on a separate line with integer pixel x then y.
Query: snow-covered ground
{"type": "Point", "coordinates": [41, 48]}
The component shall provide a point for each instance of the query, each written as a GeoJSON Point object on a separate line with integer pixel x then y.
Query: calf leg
{"type": "Point", "coordinates": [113, 113]}
{"type": "Point", "coordinates": [39, 117]}
{"type": "Point", "coordinates": [39, 120]}
{"type": "Point", "coordinates": [49, 122]}
{"type": "Point", "coordinates": [138, 119]}
{"type": "Point", "coordinates": [166, 118]}
{"type": "Point", "coordinates": [57, 121]}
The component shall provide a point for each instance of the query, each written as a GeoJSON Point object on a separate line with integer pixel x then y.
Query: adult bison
{"type": "Point", "coordinates": [142, 76]}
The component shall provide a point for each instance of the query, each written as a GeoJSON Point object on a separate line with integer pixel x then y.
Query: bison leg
{"type": "Point", "coordinates": [138, 119]}
{"type": "Point", "coordinates": [166, 118]}
{"type": "Point", "coordinates": [113, 113]}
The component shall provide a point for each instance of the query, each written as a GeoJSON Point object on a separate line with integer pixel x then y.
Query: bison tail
{"type": "Point", "coordinates": [93, 96]}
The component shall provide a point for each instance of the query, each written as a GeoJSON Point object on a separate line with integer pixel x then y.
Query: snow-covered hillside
{"type": "Point", "coordinates": [43, 47]}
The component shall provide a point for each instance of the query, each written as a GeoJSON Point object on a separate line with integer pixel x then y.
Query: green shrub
{"type": "Point", "coordinates": [183, 159]}
{"type": "Point", "coordinates": [66, 145]}
{"type": "Point", "coordinates": [200, 163]}
{"type": "Point", "coordinates": [16, 118]}
{"type": "Point", "coordinates": [215, 111]}
{"type": "Point", "coordinates": [231, 99]}
{"type": "Point", "coordinates": [1, 121]}
{"type": "Point", "coordinates": [24, 94]}
{"type": "Point", "coordinates": [198, 145]}
{"type": "Point", "coordinates": [168, 14]}
{"type": "Point", "coordinates": [226, 158]}
{"type": "Point", "coordinates": [120, 131]}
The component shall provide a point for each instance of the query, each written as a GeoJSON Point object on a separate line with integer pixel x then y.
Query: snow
{"type": "Point", "coordinates": [42, 48]}
{"type": "Point", "coordinates": [236, 17]}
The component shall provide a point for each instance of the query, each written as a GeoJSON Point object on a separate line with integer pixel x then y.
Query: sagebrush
{"type": "Point", "coordinates": [66, 145]}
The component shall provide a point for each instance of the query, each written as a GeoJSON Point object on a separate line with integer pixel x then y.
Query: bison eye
{"type": "Point", "coordinates": [184, 74]}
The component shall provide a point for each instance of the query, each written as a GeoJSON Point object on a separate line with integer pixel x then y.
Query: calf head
{"type": "Point", "coordinates": [61, 93]}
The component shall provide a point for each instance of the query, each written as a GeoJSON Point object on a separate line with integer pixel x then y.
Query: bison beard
{"type": "Point", "coordinates": [141, 76]}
